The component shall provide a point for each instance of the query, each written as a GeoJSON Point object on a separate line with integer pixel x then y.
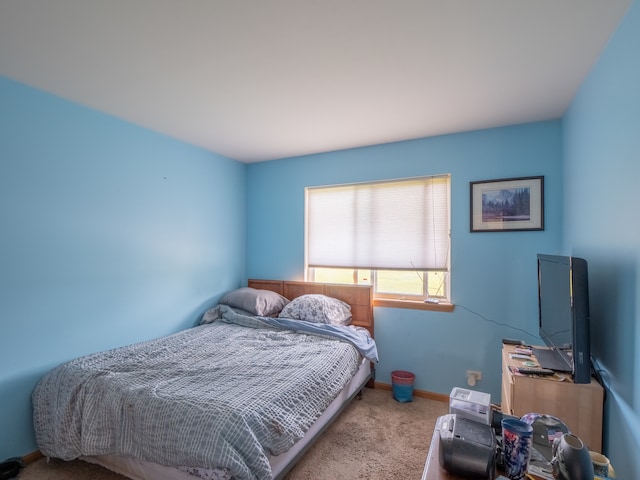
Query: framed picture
{"type": "Point", "coordinates": [507, 204]}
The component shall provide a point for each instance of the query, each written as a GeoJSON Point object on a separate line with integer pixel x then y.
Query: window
{"type": "Point", "coordinates": [393, 235]}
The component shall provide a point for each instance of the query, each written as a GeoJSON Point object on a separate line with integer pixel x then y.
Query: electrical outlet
{"type": "Point", "coordinates": [475, 374]}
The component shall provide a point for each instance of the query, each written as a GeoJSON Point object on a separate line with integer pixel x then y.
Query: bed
{"type": "Point", "coordinates": [242, 395]}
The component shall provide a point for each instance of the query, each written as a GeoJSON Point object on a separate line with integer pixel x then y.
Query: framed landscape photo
{"type": "Point", "coordinates": [507, 204]}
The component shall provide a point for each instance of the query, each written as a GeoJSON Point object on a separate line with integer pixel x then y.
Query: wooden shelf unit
{"type": "Point", "coordinates": [579, 406]}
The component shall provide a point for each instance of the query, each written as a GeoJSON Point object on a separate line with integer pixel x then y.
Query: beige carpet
{"type": "Point", "coordinates": [375, 438]}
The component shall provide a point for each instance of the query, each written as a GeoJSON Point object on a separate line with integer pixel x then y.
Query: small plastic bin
{"type": "Point", "coordinates": [402, 385]}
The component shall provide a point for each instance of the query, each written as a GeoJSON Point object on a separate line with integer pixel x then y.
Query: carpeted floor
{"type": "Point", "coordinates": [375, 438]}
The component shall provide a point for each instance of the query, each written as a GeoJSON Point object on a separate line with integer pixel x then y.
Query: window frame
{"type": "Point", "coordinates": [423, 301]}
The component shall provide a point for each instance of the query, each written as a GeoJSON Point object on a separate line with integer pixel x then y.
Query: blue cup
{"type": "Point", "coordinates": [516, 446]}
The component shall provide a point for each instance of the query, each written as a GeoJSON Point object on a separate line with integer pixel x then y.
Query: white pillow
{"type": "Point", "coordinates": [318, 309]}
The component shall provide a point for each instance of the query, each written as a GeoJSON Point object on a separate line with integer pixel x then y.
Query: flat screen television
{"type": "Point", "coordinates": [563, 308]}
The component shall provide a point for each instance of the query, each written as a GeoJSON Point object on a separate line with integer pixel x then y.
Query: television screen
{"type": "Point", "coordinates": [563, 301]}
{"type": "Point", "coordinates": [555, 299]}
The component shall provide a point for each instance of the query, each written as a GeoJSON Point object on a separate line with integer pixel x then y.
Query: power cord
{"type": "Point", "coordinates": [601, 373]}
{"type": "Point", "coordinates": [495, 322]}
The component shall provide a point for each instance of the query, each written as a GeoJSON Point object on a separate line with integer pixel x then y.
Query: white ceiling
{"type": "Point", "coordinates": [262, 79]}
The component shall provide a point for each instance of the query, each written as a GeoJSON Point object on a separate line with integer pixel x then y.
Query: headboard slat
{"type": "Point", "coordinates": [360, 297]}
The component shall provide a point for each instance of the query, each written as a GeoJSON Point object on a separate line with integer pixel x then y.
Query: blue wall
{"type": "Point", "coordinates": [493, 274]}
{"type": "Point", "coordinates": [111, 234]}
{"type": "Point", "coordinates": [601, 134]}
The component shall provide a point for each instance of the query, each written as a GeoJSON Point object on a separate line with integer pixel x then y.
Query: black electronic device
{"type": "Point", "coordinates": [467, 448]}
{"type": "Point", "coordinates": [535, 371]}
{"type": "Point", "coordinates": [563, 312]}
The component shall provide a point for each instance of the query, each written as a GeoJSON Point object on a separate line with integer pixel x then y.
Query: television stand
{"type": "Point", "coordinates": [553, 359]}
{"type": "Point", "coordinates": [578, 405]}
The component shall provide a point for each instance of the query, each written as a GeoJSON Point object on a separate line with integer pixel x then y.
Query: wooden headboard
{"type": "Point", "coordinates": [360, 297]}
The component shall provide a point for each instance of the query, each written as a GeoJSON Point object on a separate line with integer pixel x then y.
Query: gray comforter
{"type": "Point", "coordinates": [220, 395]}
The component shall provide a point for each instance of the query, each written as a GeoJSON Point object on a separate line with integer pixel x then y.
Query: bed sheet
{"type": "Point", "coordinates": [209, 396]}
{"type": "Point", "coordinates": [280, 464]}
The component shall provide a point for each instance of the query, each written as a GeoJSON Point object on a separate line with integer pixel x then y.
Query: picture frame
{"type": "Point", "coordinates": [507, 204]}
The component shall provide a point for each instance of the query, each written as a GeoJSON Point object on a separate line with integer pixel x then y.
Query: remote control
{"type": "Point", "coordinates": [511, 341]}
{"type": "Point", "coordinates": [535, 371]}
{"type": "Point", "coordinates": [523, 351]}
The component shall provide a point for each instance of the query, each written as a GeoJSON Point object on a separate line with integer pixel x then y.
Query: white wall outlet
{"type": "Point", "coordinates": [473, 376]}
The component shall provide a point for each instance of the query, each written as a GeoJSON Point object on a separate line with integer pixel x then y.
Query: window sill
{"type": "Point", "coordinates": [412, 304]}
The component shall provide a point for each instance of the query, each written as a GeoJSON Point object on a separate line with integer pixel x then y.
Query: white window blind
{"type": "Point", "coordinates": [400, 225]}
